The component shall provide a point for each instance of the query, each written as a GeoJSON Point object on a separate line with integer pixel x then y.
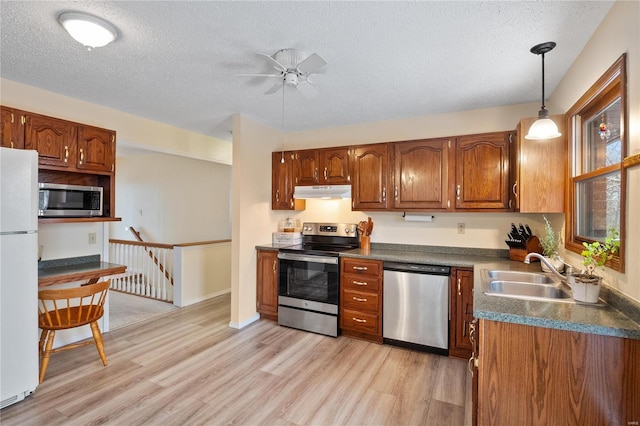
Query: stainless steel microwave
{"type": "Point", "coordinates": [57, 200]}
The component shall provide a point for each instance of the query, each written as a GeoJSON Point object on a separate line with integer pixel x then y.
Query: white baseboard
{"type": "Point", "coordinates": [244, 323]}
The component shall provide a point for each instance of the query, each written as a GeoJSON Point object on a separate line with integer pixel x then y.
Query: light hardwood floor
{"type": "Point", "coordinates": [188, 367]}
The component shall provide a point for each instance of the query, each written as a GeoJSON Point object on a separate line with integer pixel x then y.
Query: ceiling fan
{"type": "Point", "coordinates": [294, 68]}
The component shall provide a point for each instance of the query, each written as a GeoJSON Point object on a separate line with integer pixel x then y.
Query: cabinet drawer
{"type": "Point", "coordinates": [360, 321]}
{"type": "Point", "coordinates": [362, 267]}
{"type": "Point", "coordinates": [360, 282]}
{"type": "Point", "coordinates": [360, 301]}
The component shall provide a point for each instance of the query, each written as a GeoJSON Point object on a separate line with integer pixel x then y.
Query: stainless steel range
{"type": "Point", "coordinates": [309, 281]}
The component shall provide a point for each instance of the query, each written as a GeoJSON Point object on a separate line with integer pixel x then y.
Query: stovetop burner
{"type": "Point", "coordinates": [324, 238]}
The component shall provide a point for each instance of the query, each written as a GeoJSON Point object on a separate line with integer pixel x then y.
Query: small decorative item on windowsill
{"type": "Point", "coordinates": [365, 228]}
{"type": "Point", "coordinates": [585, 286]}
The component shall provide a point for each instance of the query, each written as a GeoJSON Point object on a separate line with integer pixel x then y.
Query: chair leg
{"type": "Point", "coordinates": [97, 336]}
{"type": "Point", "coordinates": [47, 354]}
{"type": "Point", "coordinates": [43, 337]}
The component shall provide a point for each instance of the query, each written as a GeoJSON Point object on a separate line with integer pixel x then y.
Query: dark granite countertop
{"type": "Point", "coordinates": [59, 271]}
{"type": "Point", "coordinates": [619, 316]}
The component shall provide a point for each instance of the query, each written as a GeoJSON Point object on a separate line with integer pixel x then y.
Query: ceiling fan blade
{"type": "Point", "coordinates": [307, 90]}
{"type": "Point", "coordinates": [277, 65]}
{"type": "Point", "coordinates": [259, 75]}
{"type": "Point", "coordinates": [311, 64]}
{"type": "Point", "coordinates": [273, 89]}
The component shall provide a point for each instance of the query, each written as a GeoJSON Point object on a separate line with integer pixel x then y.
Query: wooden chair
{"type": "Point", "coordinates": [69, 308]}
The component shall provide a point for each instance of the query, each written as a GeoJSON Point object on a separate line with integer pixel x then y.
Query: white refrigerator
{"type": "Point", "coordinates": [18, 274]}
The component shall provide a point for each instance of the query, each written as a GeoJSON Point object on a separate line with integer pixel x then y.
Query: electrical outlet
{"type": "Point", "coordinates": [92, 237]}
{"type": "Point", "coordinates": [461, 228]}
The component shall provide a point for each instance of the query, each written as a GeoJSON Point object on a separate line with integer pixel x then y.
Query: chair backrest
{"type": "Point", "coordinates": [71, 307]}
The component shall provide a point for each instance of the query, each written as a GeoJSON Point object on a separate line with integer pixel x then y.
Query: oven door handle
{"type": "Point", "coordinates": [311, 259]}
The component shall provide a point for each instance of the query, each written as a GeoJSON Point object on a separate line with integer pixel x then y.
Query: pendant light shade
{"type": "Point", "coordinates": [543, 127]}
{"type": "Point", "coordinates": [87, 29]}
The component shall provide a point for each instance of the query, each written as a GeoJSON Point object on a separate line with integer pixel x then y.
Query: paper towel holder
{"type": "Point", "coordinates": [417, 217]}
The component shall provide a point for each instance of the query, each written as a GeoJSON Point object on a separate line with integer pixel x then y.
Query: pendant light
{"type": "Point", "coordinates": [282, 156]}
{"type": "Point", "coordinates": [88, 30]}
{"type": "Point", "coordinates": [543, 127]}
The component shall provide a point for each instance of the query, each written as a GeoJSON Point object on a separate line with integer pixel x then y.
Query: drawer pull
{"type": "Point", "coordinates": [359, 299]}
{"type": "Point", "coordinates": [359, 319]}
{"type": "Point", "coordinates": [360, 283]}
{"type": "Point", "coordinates": [360, 268]}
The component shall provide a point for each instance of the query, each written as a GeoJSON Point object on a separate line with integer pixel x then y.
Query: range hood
{"type": "Point", "coordinates": [322, 191]}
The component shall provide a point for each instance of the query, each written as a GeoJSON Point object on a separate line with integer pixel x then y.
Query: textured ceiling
{"type": "Point", "coordinates": [177, 61]}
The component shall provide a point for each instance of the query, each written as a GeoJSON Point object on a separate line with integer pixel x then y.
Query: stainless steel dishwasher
{"type": "Point", "coordinates": [416, 306]}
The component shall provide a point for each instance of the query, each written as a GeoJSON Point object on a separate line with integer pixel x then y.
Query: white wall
{"type": "Point", "coordinates": [202, 272]}
{"type": "Point", "coordinates": [618, 33]}
{"type": "Point", "coordinates": [172, 199]}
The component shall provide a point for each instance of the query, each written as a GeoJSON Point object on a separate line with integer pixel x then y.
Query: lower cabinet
{"type": "Point", "coordinates": [267, 284]}
{"type": "Point", "coordinates": [461, 312]}
{"type": "Point", "coordinates": [542, 376]}
{"type": "Point", "coordinates": [361, 298]}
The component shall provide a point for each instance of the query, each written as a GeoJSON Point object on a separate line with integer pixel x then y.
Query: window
{"type": "Point", "coordinates": [597, 147]}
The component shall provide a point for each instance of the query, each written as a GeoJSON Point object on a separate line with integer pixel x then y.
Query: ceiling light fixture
{"type": "Point", "coordinates": [87, 29]}
{"type": "Point", "coordinates": [543, 127]}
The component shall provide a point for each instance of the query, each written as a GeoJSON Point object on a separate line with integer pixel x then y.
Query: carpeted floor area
{"type": "Point", "coordinates": [126, 309]}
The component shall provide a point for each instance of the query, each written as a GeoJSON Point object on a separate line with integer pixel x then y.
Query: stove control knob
{"type": "Point", "coordinates": [347, 230]}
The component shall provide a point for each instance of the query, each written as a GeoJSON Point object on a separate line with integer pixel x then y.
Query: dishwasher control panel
{"type": "Point", "coordinates": [418, 268]}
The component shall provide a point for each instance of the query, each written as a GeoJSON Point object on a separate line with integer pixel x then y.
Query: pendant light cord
{"type": "Point", "coordinates": [543, 107]}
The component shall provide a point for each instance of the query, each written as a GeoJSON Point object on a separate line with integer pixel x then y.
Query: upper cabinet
{"type": "Point", "coordinates": [96, 149]}
{"type": "Point", "coordinates": [370, 182]}
{"type": "Point", "coordinates": [12, 130]}
{"type": "Point", "coordinates": [68, 153]}
{"type": "Point", "coordinates": [334, 166]}
{"type": "Point", "coordinates": [421, 174]}
{"type": "Point", "coordinates": [282, 182]}
{"type": "Point", "coordinates": [482, 171]}
{"type": "Point", "coordinates": [538, 170]}
{"type": "Point", "coordinates": [54, 139]}
{"type": "Point", "coordinates": [305, 167]}
{"type": "Point", "coordinates": [329, 166]}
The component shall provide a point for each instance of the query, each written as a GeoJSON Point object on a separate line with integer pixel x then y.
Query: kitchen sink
{"type": "Point", "coordinates": [526, 290]}
{"type": "Point", "coordinates": [522, 277]}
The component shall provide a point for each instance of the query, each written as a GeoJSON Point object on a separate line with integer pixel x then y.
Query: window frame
{"type": "Point", "coordinates": [613, 80]}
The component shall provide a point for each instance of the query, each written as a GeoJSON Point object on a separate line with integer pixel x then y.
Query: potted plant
{"type": "Point", "coordinates": [586, 285]}
{"type": "Point", "coordinates": [550, 243]}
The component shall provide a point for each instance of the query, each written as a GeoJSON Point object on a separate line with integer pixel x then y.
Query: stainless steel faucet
{"type": "Point", "coordinates": [527, 260]}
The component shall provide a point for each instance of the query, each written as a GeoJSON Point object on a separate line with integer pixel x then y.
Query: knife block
{"type": "Point", "coordinates": [533, 246]}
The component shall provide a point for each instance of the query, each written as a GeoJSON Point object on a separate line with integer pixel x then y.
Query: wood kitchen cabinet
{"type": "Point", "coordinates": [421, 174]}
{"type": "Point", "coordinates": [96, 149]}
{"type": "Point", "coordinates": [482, 171]}
{"type": "Point", "coordinates": [370, 176]}
{"type": "Point", "coordinates": [361, 298]}
{"type": "Point", "coordinates": [542, 376]}
{"type": "Point", "coordinates": [305, 167]}
{"type": "Point", "coordinates": [538, 170]}
{"type": "Point", "coordinates": [267, 284]}
{"type": "Point", "coordinates": [461, 312]}
{"type": "Point", "coordinates": [54, 139]}
{"type": "Point", "coordinates": [12, 130]}
{"type": "Point", "coordinates": [282, 182]}
{"type": "Point", "coordinates": [334, 166]}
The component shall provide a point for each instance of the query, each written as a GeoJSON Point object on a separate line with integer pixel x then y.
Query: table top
{"type": "Point", "coordinates": [91, 271]}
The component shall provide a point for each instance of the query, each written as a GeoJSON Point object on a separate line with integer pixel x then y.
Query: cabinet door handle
{"type": "Point", "coordinates": [66, 153]}
{"type": "Point", "coordinates": [325, 173]}
{"type": "Point", "coordinates": [470, 364]}
{"type": "Point", "coordinates": [459, 292]}
{"type": "Point", "coordinates": [277, 195]}
{"type": "Point", "coordinates": [359, 319]}
{"type": "Point", "coordinates": [275, 263]}
{"type": "Point", "coordinates": [510, 203]}
{"type": "Point", "coordinates": [384, 194]}
{"type": "Point", "coordinates": [11, 144]}
{"type": "Point", "coordinates": [513, 189]}
{"type": "Point", "coordinates": [464, 328]}
{"type": "Point", "coordinates": [396, 193]}
{"type": "Point", "coordinates": [315, 174]}
{"type": "Point", "coordinates": [81, 155]}
{"type": "Point", "coordinates": [362, 283]}
{"type": "Point", "coordinates": [359, 299]}
{"type": "Point", "coordinates": [458, 192]}
{"type": "Point", "coordinates": [360, 268]}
